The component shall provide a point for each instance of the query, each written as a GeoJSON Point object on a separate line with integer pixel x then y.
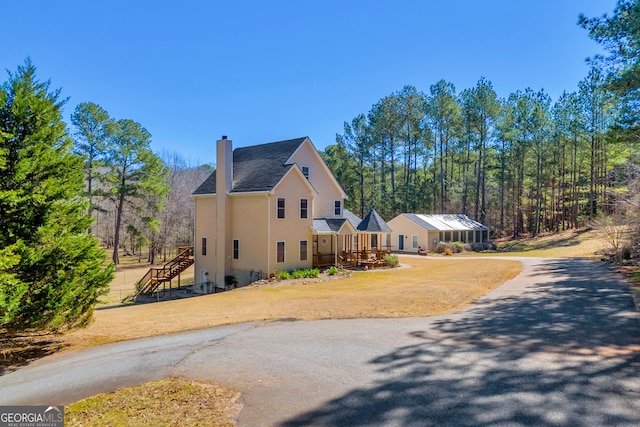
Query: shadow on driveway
{"type": "Point", "coordinates": [565, 352]}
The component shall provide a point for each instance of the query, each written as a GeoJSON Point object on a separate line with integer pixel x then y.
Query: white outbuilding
{"type": "Point", "coordinates": [411, 231]}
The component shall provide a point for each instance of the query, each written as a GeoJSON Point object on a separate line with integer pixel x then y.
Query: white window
{"type": "Point", "coordinates": [280, 207]}
{"type": "Point", "coordinates": [236, 249]}
{"type": "Point", "coordinates": [304, 208]}
{"type": "Point", "coordinates": [337, 207]}
{"type": "Point", "coordinates": [204, 246]}
{"type": "Point", "coordinates": [280, 252]}
{"type": "Point", "coordinates": [415, 241]}
{"type": "Point", "coordinates": [303, 250]}
{"type": "Point", "coordinates": [305, 172]}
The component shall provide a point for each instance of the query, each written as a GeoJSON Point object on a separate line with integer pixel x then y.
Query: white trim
{"type": "Point", "coordinates": [204, 246]}
{"type": "Point", "coordinates": [307, 252]}
{"type": "Point", "coordinates": [300, 208]}
{"type": "Point", "coordinates": [284, 208]}
{"type": "Point", "coordinates": [284, 252]}
{"type": "Point", "coordinates": [322, 163]}
{"type": "Point", "coordinates": [299, 172]}
{"type": "Point", "coordinates": [233, 249]}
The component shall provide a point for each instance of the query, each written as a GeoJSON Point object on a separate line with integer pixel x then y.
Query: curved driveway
{"type": "Point", "coordinates": [558, 345]}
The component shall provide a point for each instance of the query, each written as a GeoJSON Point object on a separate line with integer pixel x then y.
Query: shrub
{"type": "Point", "coordinates": [298, 274]}
{"type": "Point", "coordinates": [333, 271]}
{"type": "Point", "coordinates": [391, 260]}
{"type": "Point", "coordinates": [230, 281]}
{"type": "Point", "coordinates": [283, 275]}
{"type": "Point", "coordinates": [457, 247]}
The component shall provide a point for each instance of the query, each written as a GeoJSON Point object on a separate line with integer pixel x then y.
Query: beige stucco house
{"type": "Point", "coordinates": [267, 208]}
{"type": "Point", "coordinates": [411, 231]}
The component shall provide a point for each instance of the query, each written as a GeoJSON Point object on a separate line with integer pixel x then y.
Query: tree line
{"type": "Point", "coordinates": [520, 164]}
{"type": "Point", "coordinates": [523, 164]}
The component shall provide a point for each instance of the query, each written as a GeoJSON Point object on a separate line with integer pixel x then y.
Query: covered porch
{"type": "Point", "coordinates": [332, 239]}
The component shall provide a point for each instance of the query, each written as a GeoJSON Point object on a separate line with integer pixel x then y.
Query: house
{"type": "Point", "coordinates": [268, 208]}
{"type": "Point", "coordinates": [411, 231]}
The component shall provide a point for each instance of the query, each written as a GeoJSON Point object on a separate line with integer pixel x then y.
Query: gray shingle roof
{"type": "Point", "coordinates": [373, 223]}
{"type": "Point", "coordinates": [257, 168]}
{"type": "Point", "coordinates": [328, 225]}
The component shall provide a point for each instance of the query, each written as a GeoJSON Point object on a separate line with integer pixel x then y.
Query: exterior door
{"type": "Point", "coordinates": [401, 242]}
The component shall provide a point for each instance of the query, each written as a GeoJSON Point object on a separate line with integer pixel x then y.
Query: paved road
{"type": "Point", "coordinates": [559, 345]}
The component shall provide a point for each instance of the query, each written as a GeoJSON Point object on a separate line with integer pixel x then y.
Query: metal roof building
{"type": "Point", "coordinates": [411, 231]}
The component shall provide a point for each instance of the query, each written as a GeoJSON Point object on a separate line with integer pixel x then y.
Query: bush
{"type": "Point", "coordinates": [391, 260]}
{"type": "Point", "coordinates": [298, 274]}
{"type": "Point", "coordinates": [283, 275]}
{"type": "Point", "coordinates": [483, 246]}
{"type": "Point", "coordinates": [230, 281]}
{"type": "Point", "coordinates": [457, 247]}
{"type": "Point", "coordinates": [333, 271]}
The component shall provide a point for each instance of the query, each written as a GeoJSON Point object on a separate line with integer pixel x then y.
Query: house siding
{"type": "Point", "coordinates": [292, 228]}
{"type": "Point", "coordinates": [403, 225]}
{"type": "Point", "coordinates": [250, 225]}
{"type": "Point", "coordinates": [205, 219]}
{"type": "Point", "coordinates": [320, 178]}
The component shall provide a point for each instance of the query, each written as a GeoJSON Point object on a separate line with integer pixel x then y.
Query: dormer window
{"type": "Point", "coordinates": [337, 208]}
{"type": "Point", "coordinates": [305, 172]}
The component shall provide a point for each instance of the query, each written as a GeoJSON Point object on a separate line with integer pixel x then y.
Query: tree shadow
{"type": "Point", "coordinates": [17, 351]}
{"type": "Point", "coordinates": [567, 352]}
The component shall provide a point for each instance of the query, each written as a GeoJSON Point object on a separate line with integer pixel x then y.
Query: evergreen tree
{"type": "Point", "coordinates": [92, 124]}
{"type": "Point", "coordinates": [135, 174]}
{"type": "Point", "coordinates": [620, 36]}
{"type": "Point", "coordinates": [51, 271]}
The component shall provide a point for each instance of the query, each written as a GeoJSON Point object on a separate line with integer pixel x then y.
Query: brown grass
{"type": "Point", "coordinates": [421, 287]}
{"type": "Point", "coordinates": [169, 402]}
{"type": "Point", "coordinates": [566, 244]}
{"type": "Point", "coordinates": [428, 287]}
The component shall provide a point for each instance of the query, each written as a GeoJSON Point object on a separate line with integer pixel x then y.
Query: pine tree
{"type": "Point", "coordinates": [51, 270]}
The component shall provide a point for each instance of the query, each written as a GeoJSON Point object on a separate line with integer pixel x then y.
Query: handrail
{"type": "Point", "coordinates": [167, 272]}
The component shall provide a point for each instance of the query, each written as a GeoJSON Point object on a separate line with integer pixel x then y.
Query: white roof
{"type": "Point", "coordinates": [445, 222]}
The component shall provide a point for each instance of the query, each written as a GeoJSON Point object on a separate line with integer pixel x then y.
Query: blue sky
{"type": "Point", "coordinates": [262, 71]}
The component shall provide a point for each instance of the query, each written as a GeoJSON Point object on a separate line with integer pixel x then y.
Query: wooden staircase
{"type": "Point", "coordinates": [157, 276]}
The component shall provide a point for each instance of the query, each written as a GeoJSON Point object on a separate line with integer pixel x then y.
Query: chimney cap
{"type": "Point", "coordinates": [224, 136]}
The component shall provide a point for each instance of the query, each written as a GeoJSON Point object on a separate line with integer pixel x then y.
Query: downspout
{"type": "Point", "coordinates": [268, 196]}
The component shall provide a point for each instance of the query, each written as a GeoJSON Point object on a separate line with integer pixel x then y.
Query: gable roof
{"type": "Point", "coordinates": [373, 223]}
{"type": "Point", "coordinates": [445, 222]}
{"type": "Point", "coordinates": [330, 225]}
{"type": "Point", "coordinates": [257, 168]}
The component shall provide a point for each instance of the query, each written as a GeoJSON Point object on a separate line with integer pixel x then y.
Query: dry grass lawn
{"type": "Point", "coordinates": [429, 286]}
{"type": "Point", "coordinates": [423, 286]}
{"type": "Point", "coordinates": [169, 402]}
{"type": "Point", "coordinates": [567, 244]}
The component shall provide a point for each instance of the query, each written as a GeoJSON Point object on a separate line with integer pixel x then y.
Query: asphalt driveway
{"type": "Point", "coordinates": [558, 345]}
